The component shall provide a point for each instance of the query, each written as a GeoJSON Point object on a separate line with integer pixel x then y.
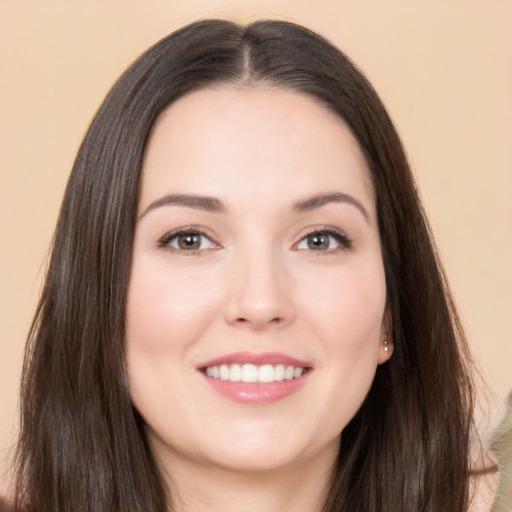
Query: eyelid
{"type": "Point", "coordinates": [344, 241]}
{"type": "Point", "coordinates": [164, 241]}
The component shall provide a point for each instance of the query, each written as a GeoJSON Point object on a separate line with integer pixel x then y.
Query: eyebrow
{"type": "Point", "coordinates": [212, 204]}
{"type": "Point", "coordinates": [209, 204]}
{"type": "Point", "coordinates": [317, 201]}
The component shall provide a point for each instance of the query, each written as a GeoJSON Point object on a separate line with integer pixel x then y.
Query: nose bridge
{"type": "Point", "coordinates": [259, 286]}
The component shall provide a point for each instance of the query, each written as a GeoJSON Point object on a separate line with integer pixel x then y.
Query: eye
{"type": "Point", "coordinates": [189, 240]}
{"type": "Point", "coordinates": [326, 240]}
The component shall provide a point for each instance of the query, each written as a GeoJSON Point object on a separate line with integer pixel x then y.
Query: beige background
{"type": "Point", "coordinates": [443, 68]}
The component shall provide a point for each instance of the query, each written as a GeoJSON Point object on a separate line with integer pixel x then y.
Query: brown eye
{"type": "Point", "coordinates": [318, 241]}
{"type": "Point", "coordinates": [187, 241]}
{"type": "Point", "coordinates": [329, 241]}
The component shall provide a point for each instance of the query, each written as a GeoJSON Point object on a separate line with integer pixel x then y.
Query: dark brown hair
{"type": "Point", "coordinates": [82, 445]}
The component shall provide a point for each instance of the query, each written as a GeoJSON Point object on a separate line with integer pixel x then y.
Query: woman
{"type": "Point", "coordinates": [243, 307]}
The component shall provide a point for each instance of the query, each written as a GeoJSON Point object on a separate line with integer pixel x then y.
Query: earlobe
{"type": "Point", "coordinates": [386, 349]}
{"type": "Point", "coordinates": [386, 346]}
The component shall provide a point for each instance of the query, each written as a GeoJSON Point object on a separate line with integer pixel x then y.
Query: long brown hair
{"type": "Point", "coordinates": [82, 445]}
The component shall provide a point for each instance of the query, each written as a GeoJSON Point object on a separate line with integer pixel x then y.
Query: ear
{"type": "Point", "coordinates": [386, 345]}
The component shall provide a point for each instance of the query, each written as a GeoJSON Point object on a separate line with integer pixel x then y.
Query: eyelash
{"type": "Point", "coordinates": [164, 242]}
{"type": "Point", "coordinates": [345, 243]}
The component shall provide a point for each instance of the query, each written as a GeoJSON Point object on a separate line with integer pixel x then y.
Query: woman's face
{"type": "Point", "coordinates": [256, 305]}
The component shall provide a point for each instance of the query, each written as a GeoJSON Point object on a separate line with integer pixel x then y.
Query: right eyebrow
{"type": "Point", "coordinates": [209, 204]}
{"type": "Point", "coordinates": [320, 200]}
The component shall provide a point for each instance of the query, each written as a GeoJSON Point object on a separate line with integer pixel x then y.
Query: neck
{"type": "Point", "coordinates": [301, 486]}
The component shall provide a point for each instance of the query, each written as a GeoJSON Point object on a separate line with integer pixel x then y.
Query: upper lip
{"type": "Point", "coordinates": [257, 359]}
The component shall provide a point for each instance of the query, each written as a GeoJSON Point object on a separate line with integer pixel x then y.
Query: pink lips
{"type": "Point", "coordinates": [256, 393]}
{"type": "Point", "coordinates": [256, 359]}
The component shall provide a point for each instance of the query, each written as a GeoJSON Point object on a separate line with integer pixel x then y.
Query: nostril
{"type": "Point", "coordinates": [271, 321]}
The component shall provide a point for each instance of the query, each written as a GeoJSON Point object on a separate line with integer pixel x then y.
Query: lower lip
{"type": "Point", "coordinates": [255, 393]}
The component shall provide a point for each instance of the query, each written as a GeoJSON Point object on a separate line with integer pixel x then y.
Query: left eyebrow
{"type": "Point", "coordinates": [310, 203]}
{"type": "Point", "coordinates": [209, 204]}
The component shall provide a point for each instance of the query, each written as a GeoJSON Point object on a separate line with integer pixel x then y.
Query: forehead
{"type": "Point", "coordinates": [217, 141]}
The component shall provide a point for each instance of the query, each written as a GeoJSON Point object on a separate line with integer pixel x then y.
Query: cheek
{"type": "Point", "coordinates": [347, 317]}
{"type": "Point", "coordinates": [167, 310]}
{"type": "Point", "coordinates": [348, 308]}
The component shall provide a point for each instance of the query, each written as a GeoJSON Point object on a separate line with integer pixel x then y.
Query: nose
{"type": "Point", "coordinates": [261, 292]}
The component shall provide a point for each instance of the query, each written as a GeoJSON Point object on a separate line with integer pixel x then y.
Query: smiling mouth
{"type": "Point", "coordinates": [256, 378]}
{"type": "Point", "coordinates": [251, 373]}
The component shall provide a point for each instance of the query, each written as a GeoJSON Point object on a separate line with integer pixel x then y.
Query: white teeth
{"type": "Point", "coordinates": [235, 373]}
{"type": "Point", "coordinates": [249, 373]}
{"type": "Point", "coordinates": [252, 373]}
{"type": "Point", "coordinates": [266, 373]}
{"type": "Point", "coordinates": [279, 373]}
{"type": "Point", "coordinates": [224, 372]}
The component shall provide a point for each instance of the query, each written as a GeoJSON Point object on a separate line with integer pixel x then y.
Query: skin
{"type": "Point", "coordinates": [256, 284]}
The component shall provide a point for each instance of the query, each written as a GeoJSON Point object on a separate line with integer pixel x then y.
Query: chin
{"type": "Point", "coordinates": [268, 451]}
{"type": "Point", "coordinates": [251, 463]}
